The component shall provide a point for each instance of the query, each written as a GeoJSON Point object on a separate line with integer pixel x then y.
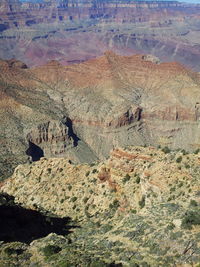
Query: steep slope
{"type": "Point", "coordinates": [138, 208]}
{"type": "Point", "coordinates": [86, 109]}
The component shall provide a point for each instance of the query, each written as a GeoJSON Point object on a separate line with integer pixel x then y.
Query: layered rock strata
{"type": "Point", "coordinates": [87, 109]}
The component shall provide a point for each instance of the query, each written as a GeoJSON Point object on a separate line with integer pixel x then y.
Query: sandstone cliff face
{"type": "Point", "coordinates": [85, 110]}
{"type": "Point", "coordinates": [52, 137]}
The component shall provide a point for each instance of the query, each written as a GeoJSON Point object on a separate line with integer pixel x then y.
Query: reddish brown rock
{"type": "Point", "coordinates": [85, 110]}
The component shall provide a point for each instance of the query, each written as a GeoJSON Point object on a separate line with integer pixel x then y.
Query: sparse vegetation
{"type": "Point", "coordinates": [49, 170]}
{"type": "Point", "coordinates": [112, 206]}
{"type": "Point", "coordinates": [197, 151]}
{"type": "Point", "coordinates": [73, 199]}
{"type": "Point", "coordinates": [126, 178]}
{"type": "Point", "coordinates": [69, 187]}
{"type": "Point", "coordinates": [137, 180]}
{"type": "Point", "coordinates": [94, 170]}
{"type": "Point", "coordinates": [115, 204]}
{"type": "Point", "coordinates": [166, 150]}
{"type": "Point", "coordinates": [87, 173]}
{"type": "Point", "coordinates": [51, 250]}
{"type": "Point", "coordinates": [193, 203]}
{"type": "Point", "coordinates": [179, 159]}
{"type": "Point", "coordinates": [142, 202]}
{"type": "Point", "coordinates": [191, 217]}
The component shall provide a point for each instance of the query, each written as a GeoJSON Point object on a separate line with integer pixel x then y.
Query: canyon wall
{"type": "Point", "coordinates": [83, 111]}
{"type": "Point", "coordinates": [36, 33]}
{"type": "Point", "coordinates": [13, 13]}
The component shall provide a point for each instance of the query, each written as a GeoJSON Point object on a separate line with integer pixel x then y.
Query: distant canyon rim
{"type": "Point", "coordinates": [75, 31]}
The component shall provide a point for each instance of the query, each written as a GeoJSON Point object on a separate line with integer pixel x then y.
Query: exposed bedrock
{"type": "Point", "coordinates": [52, 137]}
{"type": "Point", "coordinates": [37, 33]}
{"type": "Point", "coordinates": [165, 47]}
{"type": "Point", "coordinates": [84, 110]}
{"type": "Point", "coordinates": [14, 13]}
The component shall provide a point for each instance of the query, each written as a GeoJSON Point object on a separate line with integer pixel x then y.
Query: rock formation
{"type": "Point", "coordinates": [140, 207]}
{"type": "Point", "coordinates": [38, 32]}
{"type": "Point", "coordinates": [85, 110]}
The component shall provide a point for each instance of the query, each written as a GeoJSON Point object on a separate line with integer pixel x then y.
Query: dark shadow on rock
{"type": "Point", "coordinates": [34, 151]}
{"type": "Point", "coordinates": [71, 131]}
{"type": "Point", "coordinates": [23, 225]}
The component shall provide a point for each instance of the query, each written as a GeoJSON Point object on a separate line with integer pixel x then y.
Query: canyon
{"type": "Point", "coordinates": [72, 32]}
{"type": "Point", "coordinates": [99, 133]}
{"type": "Point", "coordinates": [84, 110]}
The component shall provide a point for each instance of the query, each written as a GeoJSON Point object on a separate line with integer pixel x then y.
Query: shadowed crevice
{"type": "Point", "coordinates": [34, 151]}
{"type": "Point", "coordinates": [71, 131]}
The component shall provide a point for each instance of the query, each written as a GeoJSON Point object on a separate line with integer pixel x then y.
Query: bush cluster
{"type": "Point", "coordinates": [192, 217]}
{"type": "Point", "coordinates": [51, 250]}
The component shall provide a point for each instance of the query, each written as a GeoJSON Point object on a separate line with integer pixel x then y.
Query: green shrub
{"type": "Point", "coordinates": [187, 166]}
{"type": "Point", "coordinates": [94, 171]}
{"type": "Point", "coordinates": [172, 189]}
{"type": "Point", "coordinates": [98, 264]}
{"type": "Point", "coordinates": [115, 204]}
{"type": "Point", "coordinates": [184, 152]}
{"type": "Point", "coordinates": [197, 151]}
{"type": "Point", "coordinates": [193, 203]}
{"type": "Point", "coordinates": [10, 251]}
{"type": "Point", "coordinates": [69, 187]}
{"type": "Point", "coordinates": [87, 173]}
{"type": "Point", "coordinates": [142, 202]}
{"type": "Point", "coordinates": [85, 200]}
{"type": "Point", "coordinates": [126, 178]}
{"type": "Point", "coordinates": [106, 227]}
{"type": "Point", "coordinates": [179, 159]}
{"type": "Point", "coordinates": [191, 218]}
{"type": "Point", "coordinates": [73, 199]}
{"type": "Point", "coordinates": [137, 180]}
{"type": "Point", "coordinates": [180, 184]}
{"type": "Point", "coordinates": [170, 226]}
{"type": "Point", "coordinates": [50, 250]}
{"type": "Point", "coordinates": [49, 170]}
{"type": "Point", "coordinates": [64, 264]}
{"type": "Point", "coordinates": [134, 211]}
{"type": "Point", "coordinates": [166, 150]}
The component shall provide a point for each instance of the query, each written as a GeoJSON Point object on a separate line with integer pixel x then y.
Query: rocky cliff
{"type": "Point", "coordinates": [86, 109]}
{"type": "Point", "coordinates": [37, 33]}
{"type": "Point", "coordinates": [15, 13]}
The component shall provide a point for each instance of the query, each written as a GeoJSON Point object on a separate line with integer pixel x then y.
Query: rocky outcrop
{"type": "Point", "coordinates": [116, 205]}
{"type": "Point", "coordinates": [52, 137]}
{"type": "Point", "coordinates": [143, 169]}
